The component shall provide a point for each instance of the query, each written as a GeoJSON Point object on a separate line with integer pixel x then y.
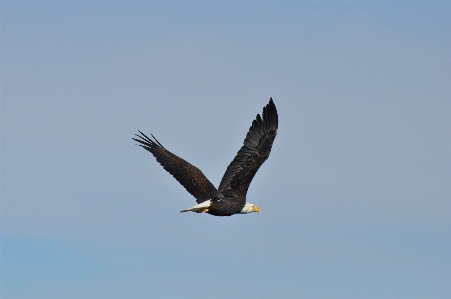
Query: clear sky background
{"type": "Point", "coordinates": [355, 198]}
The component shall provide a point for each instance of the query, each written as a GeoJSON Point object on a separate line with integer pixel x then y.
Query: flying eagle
{"type": "Point", "coordinates": [230, 197]}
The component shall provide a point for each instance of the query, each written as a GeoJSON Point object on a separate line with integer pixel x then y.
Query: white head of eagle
{"type": "Point", "coordinates": [249, 208]}
{"type": "Point", "coordinates": [230, 197]}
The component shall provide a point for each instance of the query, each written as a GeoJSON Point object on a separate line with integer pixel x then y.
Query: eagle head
{"type": "Point", "coordinates": [249, 208]}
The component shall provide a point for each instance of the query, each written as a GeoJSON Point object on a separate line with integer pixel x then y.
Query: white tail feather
{"type": "Point", "coordinates": [202, 205]}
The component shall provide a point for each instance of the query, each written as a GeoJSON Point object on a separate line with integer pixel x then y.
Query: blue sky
{"type": "Point", "coordinates": [355, 198]}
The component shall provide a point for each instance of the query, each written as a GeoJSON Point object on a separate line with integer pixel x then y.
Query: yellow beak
{"type": "Point", "coordinates": [256, 209]}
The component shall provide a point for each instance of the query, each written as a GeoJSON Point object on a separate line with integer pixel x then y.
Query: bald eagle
{"type": "Point", "coordinates": [230, 197]}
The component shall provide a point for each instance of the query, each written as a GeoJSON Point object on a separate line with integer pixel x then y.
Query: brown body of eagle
{"type": "Point", "coordinates": [230, 197]}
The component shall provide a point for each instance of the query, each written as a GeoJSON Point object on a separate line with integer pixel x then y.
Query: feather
{"type": "Point", "coordinates": [186, 174]}
{"type": "Point", "coordinates": [255, 150]}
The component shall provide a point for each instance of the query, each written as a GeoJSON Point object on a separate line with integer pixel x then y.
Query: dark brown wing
{"type": "Point", "coordinates": [255, 150]}
{"type": "Point", "coordinates": [186, 174]}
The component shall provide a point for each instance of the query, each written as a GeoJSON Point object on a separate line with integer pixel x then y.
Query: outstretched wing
{"type": "Point", "coordinates": [255, 150]}
{"type": "Point", "coordinates": [186, 174]}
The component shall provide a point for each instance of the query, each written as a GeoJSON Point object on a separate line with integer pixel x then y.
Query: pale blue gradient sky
{"type": "Point", "coordinates": [355, 198]}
